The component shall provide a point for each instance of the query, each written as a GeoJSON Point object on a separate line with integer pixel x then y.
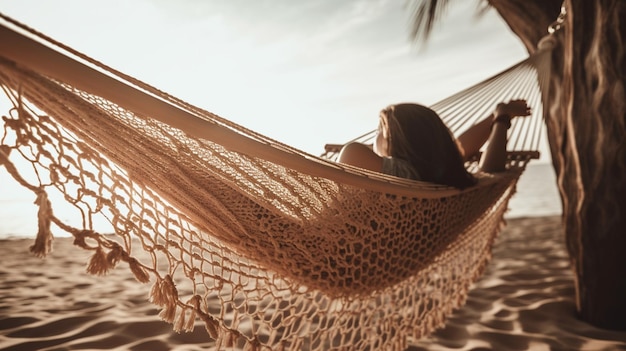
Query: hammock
{"type": "Point", "coordinates": [269, 246]}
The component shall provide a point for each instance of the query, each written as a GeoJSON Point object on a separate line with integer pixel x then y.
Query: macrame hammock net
{"type": "Point", "coordinates": [268, 246]}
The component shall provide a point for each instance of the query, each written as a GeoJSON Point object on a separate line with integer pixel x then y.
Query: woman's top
{"type": "Point", "coordinates": [399, 168]}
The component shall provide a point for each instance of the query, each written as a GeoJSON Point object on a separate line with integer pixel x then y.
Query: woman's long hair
{"type": "Point", "coordinates": [419, 136]}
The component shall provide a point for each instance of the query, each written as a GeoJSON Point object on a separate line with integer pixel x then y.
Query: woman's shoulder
{"type": "Point", "coordinates": [360, 155]}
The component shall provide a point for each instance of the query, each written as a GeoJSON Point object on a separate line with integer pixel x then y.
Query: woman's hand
{"type": "Point", "coordinates": [513, 108]}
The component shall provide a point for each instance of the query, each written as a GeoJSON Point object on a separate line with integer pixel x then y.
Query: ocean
{"type": "Point", "coordinates": [537, 193]}
{"type": "Point", "coordinates": [536, 196]}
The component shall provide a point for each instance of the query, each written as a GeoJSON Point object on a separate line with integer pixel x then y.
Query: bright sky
{"type": "Point", "coordinates": [304, 73]}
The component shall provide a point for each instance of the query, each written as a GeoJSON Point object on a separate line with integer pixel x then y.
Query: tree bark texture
{"type": "Point", "coordinates": [592, 157]}
{"type": "Point", "coordinates": [587, 132]}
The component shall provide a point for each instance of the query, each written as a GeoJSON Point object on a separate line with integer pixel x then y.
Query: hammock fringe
{"type": "Point", "coordinates": [43, 241]}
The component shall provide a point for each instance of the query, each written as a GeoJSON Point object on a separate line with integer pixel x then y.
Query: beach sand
{"type": "Point", "coordinates": [524, 301]}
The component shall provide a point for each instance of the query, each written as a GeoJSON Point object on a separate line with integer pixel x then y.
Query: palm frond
{"type": "Point", "coordinates": [426, 13]}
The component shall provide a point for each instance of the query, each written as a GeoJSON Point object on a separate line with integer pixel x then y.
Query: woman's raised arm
{"type": "Point", "coordinates": [490, 129]}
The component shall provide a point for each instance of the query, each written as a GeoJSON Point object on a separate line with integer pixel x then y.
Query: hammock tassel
{"type": "Point", "coordinates": [138, 271]}
{"type": "Point", "coordinates": [115, 255]}
{"type": "Point", "coordinates": [229, 340]}
{"type": "Point", "coordinates": [179, 322]}
{"type": "Point", "coordinates": [184, 323]}
{"type": "Point", "coordinates": [191, 322]}
{"type": "Point", "coordinates": [98, 264]}
{"type": "Point", "coordinates": [43, 241]}
{"type": "Point", "coordinates": [219, 341]}
{"type": "Point", "coordinates": [168, 313]}
{"type": "Point", "coordinates": [251, 346]}
{"type": "Point", "coordinates": [210, 324]}
{"type": "Point", "coordinates": [164, 294]}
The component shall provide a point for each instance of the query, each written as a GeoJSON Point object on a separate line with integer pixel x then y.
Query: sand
{"type": "Point", "coordinates": [525, 301]}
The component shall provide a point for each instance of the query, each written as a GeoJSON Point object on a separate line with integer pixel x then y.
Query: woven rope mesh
{"type": "Point", "coordinates": [267, 257]}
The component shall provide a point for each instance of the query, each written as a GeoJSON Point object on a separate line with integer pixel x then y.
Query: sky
{"type": "Point", "coordinates": [304, 73]}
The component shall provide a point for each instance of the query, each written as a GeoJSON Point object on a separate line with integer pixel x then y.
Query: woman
{"type": "Point", "coordinates": [413, 142]}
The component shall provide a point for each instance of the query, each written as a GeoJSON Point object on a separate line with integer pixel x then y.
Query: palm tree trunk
{"type": "Point", "coordinates": [591, 157]}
